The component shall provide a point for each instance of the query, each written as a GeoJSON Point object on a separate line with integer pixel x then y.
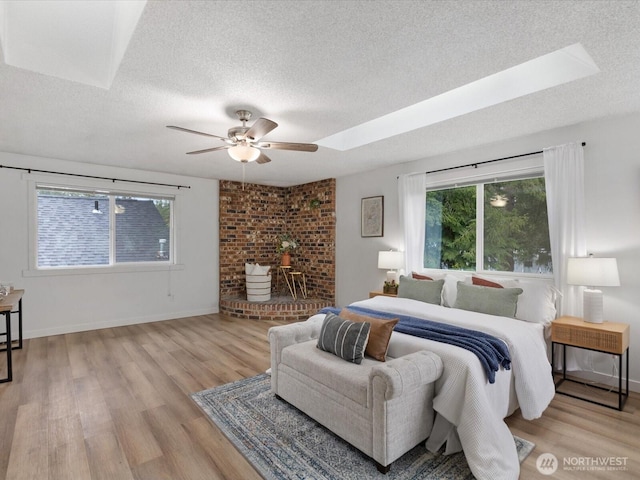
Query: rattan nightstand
{"type": "Point", "coordinates": [608, 337]}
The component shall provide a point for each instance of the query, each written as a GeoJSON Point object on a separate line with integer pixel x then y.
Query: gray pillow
{"type": "Point", "coordinates": [428, 291]}
{"type": "Point", "coordinates": [494, 301]}
{"type": "Point", "coordinates": [344, 338]}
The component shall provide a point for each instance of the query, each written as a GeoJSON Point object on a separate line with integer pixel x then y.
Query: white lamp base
{"type": "Point", "coordinates": [392, 276]}
{"type": "Point", "coordinates": [592, 306]}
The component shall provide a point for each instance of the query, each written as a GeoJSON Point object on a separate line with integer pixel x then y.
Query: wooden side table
{"type": "Point", "coordinates": [377, 293]}
{"type": "Point", "coordinates": [7, 307]}
{"type": "Point", "coordinates": [608, 337]}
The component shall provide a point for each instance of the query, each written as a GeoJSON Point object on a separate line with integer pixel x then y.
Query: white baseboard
{"type": "Point", "coordinates": [604, 379]}
{"type": "Point", "coordinates": [120, 322]}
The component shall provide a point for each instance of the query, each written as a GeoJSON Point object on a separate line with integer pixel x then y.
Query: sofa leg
{"type": "Point", "coordinates": [382, 468]}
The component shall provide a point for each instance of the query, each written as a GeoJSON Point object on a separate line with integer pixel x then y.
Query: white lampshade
{"type": "Point", "coordinates": [390, 260]}
{"type": "Point", "coordinates": [593, 272]}
{"type": "Point", "coordinates": [244, 153]}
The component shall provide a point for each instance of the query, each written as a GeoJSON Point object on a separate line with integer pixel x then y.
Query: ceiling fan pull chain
{"type": "Point", "coordinates": [243, 165]}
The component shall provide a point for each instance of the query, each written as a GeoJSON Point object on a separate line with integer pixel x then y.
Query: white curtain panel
{"type": "Point", "coordinates": [412, 191]}
{"type": "Point", "coordinates": [564, 178]}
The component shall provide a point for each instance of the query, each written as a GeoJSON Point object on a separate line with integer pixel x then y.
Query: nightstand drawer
{"type": "Point", "coordinates": [606, 337]}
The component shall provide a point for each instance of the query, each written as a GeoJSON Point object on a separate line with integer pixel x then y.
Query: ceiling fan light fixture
{"type": "Point", "coordinates": [244, 153]}
{"type": "Point", "coordinates": [243, 143]}
{"type": "Point", "coordinates": [499, 201]}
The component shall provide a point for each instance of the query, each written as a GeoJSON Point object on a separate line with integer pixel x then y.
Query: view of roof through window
{"type": "Point", "coordinates": [74, 228]}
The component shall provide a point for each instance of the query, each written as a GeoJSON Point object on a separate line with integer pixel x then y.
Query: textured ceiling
{"type": "Point", "coordinates": [316, 68]}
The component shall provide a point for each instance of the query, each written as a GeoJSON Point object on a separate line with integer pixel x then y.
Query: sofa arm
{"type": "Point", "coordinates": [282, 336]}
{"type": "Point", "coordinates": [285, 335]}
{"type": "Point", "coordinates": [401, 399]}
{"type": "Point", "coordinates": [403, 374]}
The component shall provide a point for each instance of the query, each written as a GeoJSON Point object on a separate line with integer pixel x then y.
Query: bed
{"type": "Point", "coordinates": [470, 411]}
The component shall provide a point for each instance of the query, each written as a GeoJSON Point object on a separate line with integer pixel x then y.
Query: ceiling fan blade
{"type": "Point", "coordinates": [299, 147]}
{"type": "Point", "coordinates": [208, 150]}
{"type": "Point", "coordinates": [197, 133]}
{"type": "Point", "coordinates": [260, 128]}
{"type": "Point", "coordinates": [263, 158]}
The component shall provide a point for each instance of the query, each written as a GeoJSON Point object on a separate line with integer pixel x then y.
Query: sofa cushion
{"type": "Point", "coordinates": [346, 378]}
{"type": "Point", "coordinates": [379, 335]}
{"type": "Point", "coordinates": [344, 338]}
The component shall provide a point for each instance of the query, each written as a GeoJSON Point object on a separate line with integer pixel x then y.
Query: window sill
{"type": "Point", "coordinates": [490, 273]}
{"type": "Point", "coordinates": [107, 269]}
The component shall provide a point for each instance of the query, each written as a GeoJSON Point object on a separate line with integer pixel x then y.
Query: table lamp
{"type": "Point", "coordinates": [390, 261]}
{"type": "Point", "coordinates": [592, 272]}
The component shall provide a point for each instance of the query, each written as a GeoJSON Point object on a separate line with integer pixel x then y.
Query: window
{"type": "Point", "coordinates": [496, 226]}
{"type": "Point", "coordinates": [78, 227]}
{"type": "Point", "coordinates": [450, 232]}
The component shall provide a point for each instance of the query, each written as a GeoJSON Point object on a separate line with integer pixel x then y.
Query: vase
{"type": "Point", "coordinates": [286, 259]}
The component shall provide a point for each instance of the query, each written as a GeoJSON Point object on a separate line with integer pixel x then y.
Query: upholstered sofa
{"type": "Point", "coordinates": [382, 408]}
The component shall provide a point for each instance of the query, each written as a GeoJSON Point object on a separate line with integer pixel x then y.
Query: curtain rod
{"type": "Point", "coordinates": [30, 170]}
{"type": "Point", "coordinates": [475, 164]}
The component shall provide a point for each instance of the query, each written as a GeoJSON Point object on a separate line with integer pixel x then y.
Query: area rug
{"type": "Point", "coordinates": [281, 442]}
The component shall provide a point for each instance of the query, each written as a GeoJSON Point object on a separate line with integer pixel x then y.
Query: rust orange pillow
{"type": "Point", "coordinates": [417, 276]}
{"type": "Point", "coordinates": [379, 334]}
{"type": "Point", "coordinates": [485, 283]}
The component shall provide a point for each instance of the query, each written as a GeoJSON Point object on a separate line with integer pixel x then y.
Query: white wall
{"type": "Point", "coordinates": [55, 304]}
{"type": "Point", "coordinates": [612, 177]}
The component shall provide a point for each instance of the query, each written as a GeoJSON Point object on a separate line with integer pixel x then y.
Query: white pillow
{"type": "Point", "coordinates": [537, 303]}
{"type": "Point", "coordinates": [255, 269]}
{"type": "Point", "coordinates": [450, 289]}
{"type": "Point", "coordinates": [258, 270]}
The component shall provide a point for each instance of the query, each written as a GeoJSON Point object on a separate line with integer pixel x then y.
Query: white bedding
{"type": "Point", "coordinates": [464, 397]}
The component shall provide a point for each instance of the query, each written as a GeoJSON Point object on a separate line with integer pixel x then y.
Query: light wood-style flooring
{"type": "Point", "coordinates": [114, 404]}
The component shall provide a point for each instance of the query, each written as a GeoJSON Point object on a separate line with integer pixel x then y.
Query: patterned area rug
{"type": "Point", "coordinates": [281, 442]}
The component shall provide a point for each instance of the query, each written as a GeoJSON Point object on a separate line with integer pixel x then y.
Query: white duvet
{"type": "Point", "coordinates": [464, 397]}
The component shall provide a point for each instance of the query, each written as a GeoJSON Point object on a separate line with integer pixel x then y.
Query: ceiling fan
{"type": "Point", "coordinates": [243, 143]}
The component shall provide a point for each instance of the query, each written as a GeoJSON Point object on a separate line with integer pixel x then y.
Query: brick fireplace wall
{"type": "Point", "coordinates": [252, 219]}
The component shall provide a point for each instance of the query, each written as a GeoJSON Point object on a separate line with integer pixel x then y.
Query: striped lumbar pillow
{"type": "Point", "coordinates": [344, 338]}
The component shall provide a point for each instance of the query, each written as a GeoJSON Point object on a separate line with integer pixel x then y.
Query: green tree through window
{"type": "Point", "coordinates": [450, 233]}
{"type": "Point", "coordinates": [516, 231]}
{"type": "Point", "coordinates": [512, 218]}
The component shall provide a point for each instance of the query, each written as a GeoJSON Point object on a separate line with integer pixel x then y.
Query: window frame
{"type": "Point", "coordinates": [520, 170]}
{"type": "Point", "coordinates": [37, 181]}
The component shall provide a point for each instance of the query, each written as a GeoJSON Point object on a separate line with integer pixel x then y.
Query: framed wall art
{"type": "Point", "coordinates": [372, 217]}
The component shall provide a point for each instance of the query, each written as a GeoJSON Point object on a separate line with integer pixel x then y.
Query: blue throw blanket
{"type": "Point", "coordinates": [491, 351]}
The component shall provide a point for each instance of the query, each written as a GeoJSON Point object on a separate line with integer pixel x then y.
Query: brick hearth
{"type": "Point", "coordinates": [278, 308]}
